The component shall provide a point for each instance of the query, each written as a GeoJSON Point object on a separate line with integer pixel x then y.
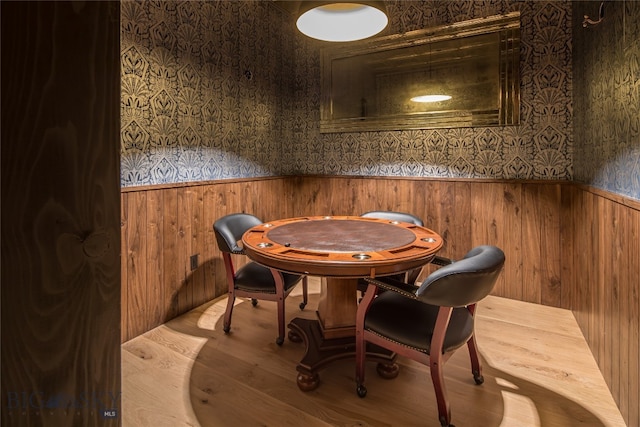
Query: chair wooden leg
{"type": "Point", "coordinates": [437, 377]}
{"type": "Point", "coordinates": [361, 357]}
{"type": "Point", "coordinates": [436, 364]}
{"type": "Point", "coordinates": [280, 338]}
{"type": "Point", "coordinates": [305, 293]}
{"type": "Point", "coordinates": [476, 366]}
{"type": "Point", "coordinates": [226, 325]}
{"type": "Point", "coordinates": [361, 344]}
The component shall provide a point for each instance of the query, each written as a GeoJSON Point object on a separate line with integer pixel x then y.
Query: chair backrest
{"type": "Point", "coordinates": [394, 216]}
{"type": "Point", "coordinates": [466, 281]}
{"type": "Point", "coordinates": [230, 228]}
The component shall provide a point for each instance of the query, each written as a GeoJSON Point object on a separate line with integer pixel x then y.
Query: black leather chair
{"type": "Point", "coordinates": [428, 323]}
{"type": "Point", "coordinates": [410, 276]}
{"type": "Point", "coordinates": [252, 280]}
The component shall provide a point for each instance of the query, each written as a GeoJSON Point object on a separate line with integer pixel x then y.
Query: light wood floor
{"type": "Point", "coordinates": [537, 367]}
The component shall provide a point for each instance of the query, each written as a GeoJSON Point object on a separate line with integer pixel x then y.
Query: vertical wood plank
{"type": "Point", "coordinates": [404, 198]}
{"type": "Point", "coordinates": [493, 213]}
{"type": "Point", "coordinates": [197, 245]}
{"type": "Point", "coordinates": [252, 205]}
{"type": "Point", "coordinates": [364, 197]}
{"type": "Point", "coordinates": [531, 239]}
{"type": "Point", "coordinates": [634, 318]}
{"type": "Point", "coordinates": [289, 200]}
{"type": "Point", "coordinates": [220, 209]}
{"type": "Point", "coordinates": [384, 191]}
{"type": "Point", "coordinates": [138, 310]}
{"type": "Point", "coordinates": [124, 277]}
{"type": "Point", "coordinates": [210, 247]}
{"type": "Point", "coordinates": [622, 282]}
{"type": "Point", "coordinates": [574, 275]}
{"type": "Point", "coordinates": [600, 258]}
{"type": "Point", "coordinates": [183, 250]}
{"type": "Point", "coordinates": [415, 200]}
{"type": "Point", "coordinates": [154, 255]}
{"type": "Point", "coordinates": [592, 278]}
{"type": "Point", "coordinates": [608, 286]}
{"type": "Point", "coordinates": [478, 227]}
{"type": "Point", "coordinates": [430, 211]}
{"type": "Point", "coordinates": [442, 217]}
{"type": "Point", "coordinates": [306, 193]}
{"type": "Point", "coordinates": [568, 271]}
{"type": "Point", "coordinates": [590, 284]}
{"type": "Point", "coordinates": [170, 234]}
{"type": "Point", "coordinates": [550, 253]}
{"type": "Point", "coordinates": [335, 203]}
{"type": "Point", "coordinates": [484, 207]}
{"type": "Point", "coordinates": [418, 203]}
{"type": "Point", "coordinates": [584, 234]}
{"type": "Point", "coordinates": [511, 240]}
{"type": "Point", "coordinates": [624, 233]}
{"type": "Point", "coordinates": [461, 219]}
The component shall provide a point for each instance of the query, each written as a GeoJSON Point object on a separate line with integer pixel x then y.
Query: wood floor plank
{"type": "Point", "coordinates": [529, 315]}
{"type": "Point", "coordinates": [154, 384]}
{"type": "Point", "coordinates": [538, 372]}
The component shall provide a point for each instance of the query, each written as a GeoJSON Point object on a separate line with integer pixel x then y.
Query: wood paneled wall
{"type": "Point", "coordinates": [522, 218]}
{"type": "Point", "coordinates": [601, 250]}
{"type": "Point", "coordinates": [567, 246]}
{"type": "Point", "coordinates": [162, 228]}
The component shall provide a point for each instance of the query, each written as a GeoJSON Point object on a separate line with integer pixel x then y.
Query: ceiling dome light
{"type": "Point", "coordinates": [431, 98]}
{"type": "Point", "coordinates": [341, 22]}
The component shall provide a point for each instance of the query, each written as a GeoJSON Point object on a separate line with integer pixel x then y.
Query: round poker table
{"type": "Point", "coordinates": [341, 246]}
{"type": "Point", "coordinates": [340, 249]}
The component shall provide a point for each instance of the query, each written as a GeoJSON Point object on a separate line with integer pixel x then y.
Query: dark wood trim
{"type": "Point", "coordinates": [138, 188]}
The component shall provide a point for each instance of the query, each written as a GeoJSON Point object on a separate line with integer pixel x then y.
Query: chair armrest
{"type": "Point", "coordinates": [389, 284]}
{"type": "Point", "coordinates": [441, 261]}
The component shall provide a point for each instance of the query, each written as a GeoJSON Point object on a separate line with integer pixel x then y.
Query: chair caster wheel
{"type": "Point", "coordinates": [226, 329]}
{"type": "Point", "coordinates": [254, 302]}
{"type": "Point", "coordinates": [279, 340]}
{"type": "Point", "coordinates": [361, 390]}
{"type": "Point", "coordinates": [303, 305]}
{"type": "Point", "coordinates": [479, 379]}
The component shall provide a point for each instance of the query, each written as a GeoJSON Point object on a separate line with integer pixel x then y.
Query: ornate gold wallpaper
{"type": "Point", "coordinates": [607, 97]}
{"type": "Point", "coordinates": [224, 89]}
{"type": "Point", "coordinates": [203, 90]}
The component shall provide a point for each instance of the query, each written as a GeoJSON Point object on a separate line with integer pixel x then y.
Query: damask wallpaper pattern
{"type": "Point", "coordinates": [607, 97]}
{"type": "Point", "coordinates": [204, 97]}
{"type": "Point", "coordinates": [202, 90]}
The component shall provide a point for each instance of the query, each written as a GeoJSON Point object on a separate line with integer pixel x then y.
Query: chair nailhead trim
{"type": "Point", "coordinates": [396, 342]}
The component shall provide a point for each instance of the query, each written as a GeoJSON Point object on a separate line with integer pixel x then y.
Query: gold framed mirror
{"type": "Point", "coordinates": [376, 84]}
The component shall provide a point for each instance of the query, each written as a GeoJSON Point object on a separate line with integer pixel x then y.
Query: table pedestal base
{"type": "Point", "coordinates": [320, 351]}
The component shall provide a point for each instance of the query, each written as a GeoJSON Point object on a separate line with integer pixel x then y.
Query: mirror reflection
{"type": "Point", "coordinates": [459, 75]}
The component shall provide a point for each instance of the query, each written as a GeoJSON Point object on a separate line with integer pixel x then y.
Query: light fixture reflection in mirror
{"type": "Point", "coordinates": [431, 98]}
{"type": "Point", "coordinates": [341, 22]}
